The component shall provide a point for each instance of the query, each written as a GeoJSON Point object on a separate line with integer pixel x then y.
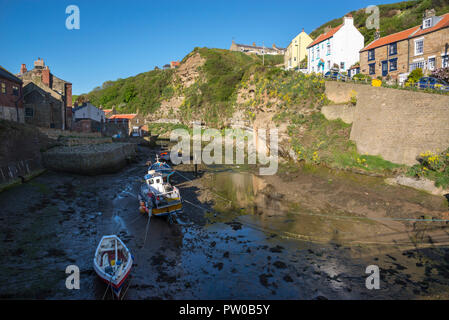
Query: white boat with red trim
{"type": "Point", "coordinates": [113, 262]}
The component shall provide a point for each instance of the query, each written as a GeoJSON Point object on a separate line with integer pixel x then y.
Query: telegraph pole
{"type": "Point", "coordinates": [263, 53]}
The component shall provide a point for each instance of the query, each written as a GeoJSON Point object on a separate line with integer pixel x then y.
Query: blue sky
{"type": "Point", "coordinates": [118, 38]}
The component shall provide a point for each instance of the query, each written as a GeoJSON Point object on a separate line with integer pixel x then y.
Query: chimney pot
{"type": "Point", "coordinates": [254, 44]}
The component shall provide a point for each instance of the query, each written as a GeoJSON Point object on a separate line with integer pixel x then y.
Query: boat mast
{"type": "Point", "coordinates": [115, 252]}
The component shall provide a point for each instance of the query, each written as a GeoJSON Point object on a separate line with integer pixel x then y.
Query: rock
{"type": "Point", "coordinates": [419, 184]}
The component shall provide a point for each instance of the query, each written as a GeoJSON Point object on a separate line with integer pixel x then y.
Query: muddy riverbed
{"type": "Point", "coordinates": [302, 234]}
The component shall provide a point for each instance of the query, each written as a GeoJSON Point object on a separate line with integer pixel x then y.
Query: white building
{"type": "Point", "coordinates": [338, 46]}
{"type": "Point", "coordinates": [88, 111]}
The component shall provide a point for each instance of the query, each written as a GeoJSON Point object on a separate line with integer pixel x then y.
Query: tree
{"type": "Point", "coordinates": [303, 63]}
{"type": "Point", "coordinates": [414, 76]}
{"type": "Point", "coordinates": [442, 74]}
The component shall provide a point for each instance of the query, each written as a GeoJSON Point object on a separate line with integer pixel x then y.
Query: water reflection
{"type": "Point", "coordinates": [263, 206]}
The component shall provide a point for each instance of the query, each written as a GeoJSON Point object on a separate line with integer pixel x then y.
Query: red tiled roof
{"type": "Point", "coordinates": [325, 36]}
{"type": "Point", "coordinates": [123, 116]}
{"type": "Point", "coordinates": [107, 110]}
{"type": "Point", "coordinates": [395, 37]}
{"type": "Point", "coordinates": [409, 33]}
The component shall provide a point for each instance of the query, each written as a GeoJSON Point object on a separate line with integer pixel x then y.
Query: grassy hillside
{"type": "Point", "coordinates": [394, 17]}
{"type": "Point", "coordinates": [212, 95]}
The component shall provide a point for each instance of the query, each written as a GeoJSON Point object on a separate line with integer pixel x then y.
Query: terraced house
{"type": "Point", "coordinates": [336, 48]}
{"type": "Point", "coordinates": [425, 46]}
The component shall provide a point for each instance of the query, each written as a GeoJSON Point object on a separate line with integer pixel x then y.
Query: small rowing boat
{"type": "Point", "coordinates": [113, 262]}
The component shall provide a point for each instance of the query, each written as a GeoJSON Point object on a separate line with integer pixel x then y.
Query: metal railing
{"type": "Point", "coordinates": [402, 86]}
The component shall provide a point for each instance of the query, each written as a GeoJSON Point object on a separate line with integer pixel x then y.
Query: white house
{"type": "Point", "coordinates": [340, 46]}
{"type": "Point", "coordinates": [88, 111]}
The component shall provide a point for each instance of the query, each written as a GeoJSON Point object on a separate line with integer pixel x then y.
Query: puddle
{"type": "Point", "coordinates": [256, 238]}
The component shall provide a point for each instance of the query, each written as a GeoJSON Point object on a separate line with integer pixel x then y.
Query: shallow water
{"type": "Point", "coordinates": [239, 238]}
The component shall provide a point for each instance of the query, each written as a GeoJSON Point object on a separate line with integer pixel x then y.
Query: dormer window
{"type": "Point", "coordinates": [427, 23]}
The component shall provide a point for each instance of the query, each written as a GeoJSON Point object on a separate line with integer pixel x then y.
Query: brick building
{"type": "Point", "coordinates": [425, 46]}
{"type": "Point", "coordinates": [11, 97]}
{"type": "Point", "coordinates": [132, 120]}
{"type": "Point", "coordinates": [59, 89]}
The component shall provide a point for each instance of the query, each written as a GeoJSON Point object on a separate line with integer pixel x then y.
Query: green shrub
{"type": "Point", "coordinates": [414, 76]}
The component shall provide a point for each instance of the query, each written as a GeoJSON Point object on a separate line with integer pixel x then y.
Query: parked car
{"type": "Point", "coordinates": [334, 75]}
{"type": "Point", "coordinates": [433, 83]}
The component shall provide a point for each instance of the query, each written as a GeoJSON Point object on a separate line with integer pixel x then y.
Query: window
{"type": "Point", "coordinates": [445, 61]}
{"type": "Point", "coordinates": [427, 23]}
{"type": "Point", "coordinates": [342, 65]}
{"type": "Point", "coordinates": [318, 52]}
{"type": "Point", "coordinates": [372, 68]}
{"type": "Point", "coordinates": [419, 47]}
{"type": "Point", "coordinates": [393, 64]}
{"type": "Point", "coordinates": [15, 90]}
{"type": "Point", "coordinates": [29, 112]}
{"type": "Point", "coordinates": [371, 55]}
{"type": "Point", "coordinates": [313, 54]}
{"type": "Point", "coordinates": [3, 88]}
{"type": "Point", "coordinates": [328, 65]}
{"type": "Point", "coordinates": [393, 49]}
{"type": "Point", "coordinates": [431, 63]}
{"type": "Point", "coordinates": [328, 48]}
{"type": "Point", "coordinates": [418, 64]}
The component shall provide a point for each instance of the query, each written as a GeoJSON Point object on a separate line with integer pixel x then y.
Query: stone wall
{"type": "Point", "coordinates": [90, 159]}
{"type": "Point", "coordinates": [10, 113]}
{"type": "Point", "coordinates": [343, 112]}
{"type": "Point", "coordinates": [395, 124]}
{"type": "Point", "coordinates": [86, 125]}
{"type": "Point", "coordinates": [20, 151]}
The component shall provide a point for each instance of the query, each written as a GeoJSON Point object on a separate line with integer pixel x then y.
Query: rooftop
{"type": "Point", "coordinates": [8, 75]}
{"type": "Point", "coordinates": [325, 36]}
{"type": "Point", "coordinates": [123, 116]}
{"type": "Point", "coordinates": [409, 33]}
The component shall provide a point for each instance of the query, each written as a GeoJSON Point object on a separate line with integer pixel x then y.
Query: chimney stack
{"type": "Point", "coordinates": [377, 34]}
{"type": "Point", "coordinates": [348, 20]}
{"type": "Point", "coordinates": [327, 29]}
{"type": "Point", "coordinates": [39, 63]}
{"type": "Point", "coordinates": [23, 68]}
{"type": "Point", "coordinates": [46, 76]}
{"type": "Point", "coordinates": [429, 13]}
{"type": "Point", "coordinates": [254, 44]}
